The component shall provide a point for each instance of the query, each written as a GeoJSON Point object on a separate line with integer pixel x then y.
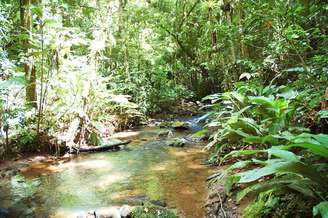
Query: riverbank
{"type": "Point", "coordinates": [190, 192]}
{"type": "Point", "coordinates": [146, 170]}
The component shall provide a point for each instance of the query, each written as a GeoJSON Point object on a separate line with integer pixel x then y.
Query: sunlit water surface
{"type": "Point", "coordinates": [145, 170]}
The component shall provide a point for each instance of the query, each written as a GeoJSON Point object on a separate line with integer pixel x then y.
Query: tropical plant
{"type": "Point", "coordinates": [279, 168]}
{"type": "Point", "coordinates": [273, 154]}
{"type": "Point", "coordinates": [249, 113]}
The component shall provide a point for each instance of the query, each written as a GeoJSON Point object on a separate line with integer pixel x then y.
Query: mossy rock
{"type": "Point", "coordinates": [151, 211]}
{"type": "Point", "coordinates": [180, 125]}
{"type": "Point", "coordinates": [165, 133]}
{"type": "Point", "coordinates": [176, 142]}
{"type": "Point", "coordinates": [165, 124]}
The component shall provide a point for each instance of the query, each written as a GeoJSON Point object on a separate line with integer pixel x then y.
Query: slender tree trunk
{"type": "Point", "coordinates": [232, 44]}
{"type": "Point", "coordinates": [29, 67]}
{"type": "Point", "coordinates": [121, 33]}
{"type": "Point", "coordinates": [243, 48]}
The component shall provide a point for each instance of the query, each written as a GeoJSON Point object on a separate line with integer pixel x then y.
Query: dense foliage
{"type": "Point", "coordinates": [260, 131]}
{"type": "Point", "coordinates": [74, 71]}
{"type": "Point", "coordinates": [270, 127]}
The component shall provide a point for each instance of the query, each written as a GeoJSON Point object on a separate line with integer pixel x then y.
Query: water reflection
{"type": "Point", "coordinates": [148, 171]}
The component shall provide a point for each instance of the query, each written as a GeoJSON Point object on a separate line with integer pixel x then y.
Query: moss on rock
{"type": "Point", "coordinates": [152, 211]}
{"type": "Point", "coordinates": [176, 142]}
{"type": "Point", "coordinates": [180, 125]}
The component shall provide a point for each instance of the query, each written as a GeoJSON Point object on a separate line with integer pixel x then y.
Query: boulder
{"type": "Point", "coordinates": [126, 211]}
{"type": "Point", "coordinates": [110, 212]}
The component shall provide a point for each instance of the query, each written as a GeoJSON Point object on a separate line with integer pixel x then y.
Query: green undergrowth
{"type": "Point", "coordinates": [272, 155]}
{"type": "Point", "coordinates": [152, 211]}
{"type": "Point", "coordinates": [276, 205]}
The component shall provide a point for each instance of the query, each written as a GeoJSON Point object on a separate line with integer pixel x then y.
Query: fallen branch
{"type": "Point", "coordinates": [102, 148]}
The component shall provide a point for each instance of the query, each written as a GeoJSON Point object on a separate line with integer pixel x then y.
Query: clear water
{"type": "Point", "coordinates": [145, 170]}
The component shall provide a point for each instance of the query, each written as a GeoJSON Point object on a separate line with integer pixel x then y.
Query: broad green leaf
{"type": "Point", "coordinates": [283, 154]}
{"type": "Point", "coordinates": [323, 114]}
{"type": "Point", "coordinates": [290, 94]}
{"type": "Point", "coordinates": [322, 138]}
{"type": "Point", "coordinates": [230, 181]}
{"type": "Point", "coordinates": [276, 166]}
{"type": "Point", "coordinates": [242, 152]}
{"type": "Point", "coordinates": [277, 183]}
{"type": "Point", "coordinates": [322, 209]}
{"type": "Point", "coordinates": [318, 149]}
{"type": "Point", "coordinates": [261, 100]}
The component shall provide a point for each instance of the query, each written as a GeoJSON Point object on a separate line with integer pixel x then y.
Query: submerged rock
{"type": "Point", "coordinates": [137, 199]}
{"type": "Point", "coordinates": [158, 203]}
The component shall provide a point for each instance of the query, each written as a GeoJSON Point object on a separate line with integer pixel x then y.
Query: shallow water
{"type": "Point", "coordinates": [145, 170]}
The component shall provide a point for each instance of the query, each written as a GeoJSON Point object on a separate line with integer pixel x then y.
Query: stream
{"type": "Point", "coordinates": [145, 170]}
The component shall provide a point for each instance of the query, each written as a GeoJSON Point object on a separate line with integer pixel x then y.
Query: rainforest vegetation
{"type": "Point", "coordinates": [74, 72]}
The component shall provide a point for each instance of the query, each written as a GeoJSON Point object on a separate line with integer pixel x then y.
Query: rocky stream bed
{"type": "Point", "coordinates": [161, 168]}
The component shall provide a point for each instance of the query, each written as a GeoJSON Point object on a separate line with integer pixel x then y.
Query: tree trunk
{"type": "Point", "coordinates": [114, 146]}
{"type": "Point", "coordinates": [29, 67]}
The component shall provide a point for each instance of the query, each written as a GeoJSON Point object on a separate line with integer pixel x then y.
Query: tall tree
{"type": "Point", "coordinates": [29, 66]}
